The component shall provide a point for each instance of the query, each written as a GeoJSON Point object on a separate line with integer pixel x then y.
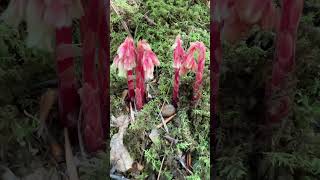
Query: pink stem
{"type": "Point", "coordinates": [68, 97]}
{"type": "Point", "coordinates": [198, 82]}
{"type": "Point", "coordinates": [130, 85]}
{"type": "Point", "coordinates": [176, 84]}
{"type": "Point", "coordinates": [91, 95]}
{"type": "Point", "coordinates": [140, 89]}
{"type": "Point", "coordinates": [283, 67]}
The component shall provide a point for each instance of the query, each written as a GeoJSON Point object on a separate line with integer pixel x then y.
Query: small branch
{"type": "Point", "coordinates": [161, 167]}
{"type": "Point", "coordinates": [131, 113]}
{"type": "Point", "coordinates": [171, 139]}
{"type": "Point", "coordinates": [163, 121]}
{"type": "Point", "coordinates": [149, 20]}
{"type": "Point", "coordinates": [166, 121]}
{"type": "Point", "coordinates": [184, 165]}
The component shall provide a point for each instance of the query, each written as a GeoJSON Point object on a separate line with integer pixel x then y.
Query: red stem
{"type": "Point", "coordinates": [176, 84]}
{"type": "Point", "coordinates": [198, 82]}
{"type": "Point", "coordinates": [68, 97]}
{"type": "Point", "coordinates": [93, 80]}
{"type": "Point", "coordinates": [140, 89]}
{"type": "Point", "coordinates": [283, 67]}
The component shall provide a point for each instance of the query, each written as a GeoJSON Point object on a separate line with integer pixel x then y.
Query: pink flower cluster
{"type": "Point", "coordinates": [141, 59]}
{"type": "Point", "coordinates": [183, 62]}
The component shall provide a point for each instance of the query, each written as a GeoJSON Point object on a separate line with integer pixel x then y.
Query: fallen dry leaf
{"type": "Point", "coordinates": [119, 155]}
{"type": "Point", "coordinates": [47, 100]}
{"type": "Point", "coordinates": [124, 95]}
{"type": "Point", "coordinates": [121, 121]}
{"type": "Point", "coordinates": [154, 135]}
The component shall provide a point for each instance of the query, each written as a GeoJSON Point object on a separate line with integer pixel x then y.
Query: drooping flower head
{"type": "Point", "coordinates": [126, 57]}
{"type": "Point", "coordinates": [149, 59]}
{"type": "Point", "coordinates": [178, 53]}
{"type": "Point", "coordinates": [190, 62]}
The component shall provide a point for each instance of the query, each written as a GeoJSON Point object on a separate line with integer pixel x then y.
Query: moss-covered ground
{"type": "Point", "coordinates": [190, 126]}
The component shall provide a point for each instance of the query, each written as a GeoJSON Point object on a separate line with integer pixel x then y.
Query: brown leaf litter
{"type": "Point", "coordinates": [119, 155]}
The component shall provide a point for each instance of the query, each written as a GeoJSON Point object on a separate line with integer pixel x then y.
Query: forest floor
{"type": "Point", "coordinates": [181, 149]}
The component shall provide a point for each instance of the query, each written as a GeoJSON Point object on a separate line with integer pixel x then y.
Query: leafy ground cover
{"type": "Point", "coordinates": [159, 22]}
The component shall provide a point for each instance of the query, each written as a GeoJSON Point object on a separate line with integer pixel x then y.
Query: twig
{"type": "Point", "coordinates": [149, 20]}
{"type": "Point", "coordinates": [161, 167]}
{"type": "Point", "coordinates": [163, 122]}
{"type": "Point", "coordinates": [122, 22]}
{"type": "Point", "coordinates": [184, 165]}
{"type": "Point", "coordinates": [171, 139]}
{"type": "Point", "coordinates": [116, 177]}
{"type": "Point", "coordinates": [30, 115]}
{"type": "Point", "coordinates": [166, 121]}
{"type": "Point", "coordinates": [131, 113]}
{"type": "Point", "coordinates": [162, 119]}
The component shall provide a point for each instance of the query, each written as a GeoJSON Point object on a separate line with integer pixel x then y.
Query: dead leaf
{"type": "Point", "coordinates": [46, 102]}
{"type": "Point", "coordinates": [119, 155]}
{"type": "Point", "coordinates": [124, 95]}
{"type": "Point", "coordinates": [71, 168]}
{"type": "Point", "coordinates": [154, 135]}
{"type": "Point", "coordinates": [121, 121]}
